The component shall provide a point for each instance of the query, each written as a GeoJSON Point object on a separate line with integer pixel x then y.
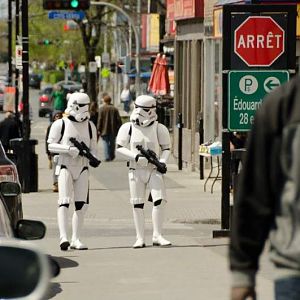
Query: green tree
{"type": "Point", "coordinates": [64, 45]}
{"type": "Point", "coordinates": [3, 41]}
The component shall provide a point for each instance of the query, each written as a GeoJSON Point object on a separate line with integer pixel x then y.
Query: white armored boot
{"type": "Point", "coordinates": [139, 223]}
{"type": "Point", "coordinates": [157, 220]}
{"type": "Point", "coordinates": [77, 224]}
{"type": "Point", "coordinates": [62, 219]}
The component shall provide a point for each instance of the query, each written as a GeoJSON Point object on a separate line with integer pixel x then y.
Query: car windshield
{"type": "Point", "coordinates": [47, 91]}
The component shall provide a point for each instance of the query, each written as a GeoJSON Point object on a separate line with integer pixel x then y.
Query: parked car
{"type": "Point", "coordinates": [23, 229]}
{"type": "Point", "coordinates": [34, 269]}
{"type": "Point", "coordinates": [25, 271]}
{"type": "Point", "coordinates": [4, 80]}
{"type": "Point", "coordinates": [45, 101]}
{"type": "Point", "coordinates": [35, 81]}
{"type": "Point", "coordinates": [9, 173]}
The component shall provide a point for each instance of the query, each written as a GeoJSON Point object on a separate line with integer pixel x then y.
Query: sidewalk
{"type": "Point", "coordinates": [195, 267]}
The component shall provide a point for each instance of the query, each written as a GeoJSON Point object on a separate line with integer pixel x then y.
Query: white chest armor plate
{"type": "Point", "coordinates": [80, 131]}
{"type": "Point", "coordinates": [145, 136]}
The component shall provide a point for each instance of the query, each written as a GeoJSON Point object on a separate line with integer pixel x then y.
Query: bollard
{"type": "Point", "coordinates": [201, 141]}
{"type": "Point", "coordinates": [180, 126]}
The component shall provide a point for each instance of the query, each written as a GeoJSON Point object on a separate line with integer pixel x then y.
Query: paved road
{"type": "Point", "coordinates": [196, 267]}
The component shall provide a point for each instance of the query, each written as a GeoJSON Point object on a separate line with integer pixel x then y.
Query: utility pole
{"type": "Point", "coordinates": [137, 38]}
{"type": "Point", "coordinates": [9, 43]}
{"type": "Point", "coordinates": [25, 59]}
{"type": "Point", "coordinates": [138, 25]}
{"type": "Point", "coordinates": [17, 70]}
{"type": "Point", "coordinates": [24, 147]}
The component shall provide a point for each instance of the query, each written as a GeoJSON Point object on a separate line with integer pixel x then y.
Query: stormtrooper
{"type": "Point", "coordinates": [72, 168]}
{"type": "Point", "coordinates": [144, 130]}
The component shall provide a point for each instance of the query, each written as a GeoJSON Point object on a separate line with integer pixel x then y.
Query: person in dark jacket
{"type": "Point", "coordinates": [267, 204]}
{"type": "Point", "coordinates": [52, 157]}
{"type": "Point", "coordinates": [9, 129]}
{"type": "Point", "coordinates": [108, 126]}
{"type": "Point", "coordinates": [94, 114]}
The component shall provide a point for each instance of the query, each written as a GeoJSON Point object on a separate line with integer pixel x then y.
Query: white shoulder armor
{"type": "Point", "coordinates": [164, 141]}
{"type": "Point", "coordinates": [122, 141]}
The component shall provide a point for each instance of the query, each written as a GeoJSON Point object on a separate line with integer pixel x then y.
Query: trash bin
{"type": "Point", "coordinates": [27, 163]}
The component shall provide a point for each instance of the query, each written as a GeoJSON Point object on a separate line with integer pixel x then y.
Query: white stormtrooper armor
{"type": "Point", "coordinates": [72, 169]}
{"type": "Point", "coordinates": [144, 130]}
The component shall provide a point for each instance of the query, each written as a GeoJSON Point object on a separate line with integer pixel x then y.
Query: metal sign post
{"type": "Point", "coordinates": [245, 79]}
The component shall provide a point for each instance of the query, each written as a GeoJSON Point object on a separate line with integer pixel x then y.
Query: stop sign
{"type": "Point", "coordinates": [259, 41]}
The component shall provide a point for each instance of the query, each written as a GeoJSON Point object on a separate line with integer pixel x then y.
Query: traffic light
{"type": "Point", "coordinates": [66, 4]}
{"type": "Point", "coordinates": [45, 42]}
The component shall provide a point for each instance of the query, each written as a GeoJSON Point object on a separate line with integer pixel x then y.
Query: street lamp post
{"type": "Point", "coordinates": [25, 72]}
{"type": "Point", "coordinates": [24, 147]}
{"type": "Point", "coordinates": [137, 40]}
{"type": "Point", "coordinates": [17, 70]}
{"type": "Point", "coordinates": [9, 21]}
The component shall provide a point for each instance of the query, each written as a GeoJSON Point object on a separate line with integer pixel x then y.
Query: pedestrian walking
{"type": "Point", "coordinates": [58, 99]}
{"type": "Point", "coordinates": [143, 130]}
{"type": "Point", "coordinates": [53, 157]}
{"type": "Point", "coordinates": [9, 129]}
{"type": "Point", "coordinates": [73, 170]}
{"type": "Point", "coordinates": [94, 114]}
{"type": "Point", "coordinates": [126, 98]}
{"type": "Point", "coordinates": [267, 199]}
{"type": "Point", "coordinates": [108, 125]}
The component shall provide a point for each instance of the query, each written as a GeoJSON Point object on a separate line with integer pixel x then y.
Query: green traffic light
{"type": "Point", "coordinates": [46, 42]}
{"type": "Point", "coordinates": [74, 3]}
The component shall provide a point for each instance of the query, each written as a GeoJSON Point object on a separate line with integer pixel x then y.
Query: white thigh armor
{"type": "Point", "coordinates": [70, 187]}
{"type": "Point", "coordinates": [155, 137]}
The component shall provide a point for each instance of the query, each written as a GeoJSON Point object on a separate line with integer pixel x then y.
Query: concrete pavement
{"type": "Point", "coordinates": [195, 267]}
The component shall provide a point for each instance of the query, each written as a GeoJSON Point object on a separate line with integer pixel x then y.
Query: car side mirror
{"type": "Point", "coordinates": [30, 230]}
{"type": "Point", "coordinates": [10, 189]}
{"type": "Point", "coordinates": [25, 271]}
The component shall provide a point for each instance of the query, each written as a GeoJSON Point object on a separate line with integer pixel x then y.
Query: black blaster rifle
{"type": "Point", "coordinates": [85, 151]}
{"type": "Point", "coordinates": [152, 158]}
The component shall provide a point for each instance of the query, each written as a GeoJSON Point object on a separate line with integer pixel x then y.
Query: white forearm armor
{"type": "Point", "coordinates": [58, 148]}
{"type": "Point", "coordinates": [164, 155]}
{"type": "Point", "coordinates": [126, 153]}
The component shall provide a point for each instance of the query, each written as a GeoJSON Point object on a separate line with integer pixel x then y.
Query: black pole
{"type": "Point", "coordinates": [17, 70]}
{"type": "Point", "coordinates": [201, 141]}
{"type": "Point", "coordinates": [25, 63]}
{"type": "Point", "coordinates": [9, 22]}
{"type": "Point", "coordinates": [25, 147]}
{"type": "Point", "coordinates": [225, 206]}
{"type": "Point", "coordinates": [180, 126]}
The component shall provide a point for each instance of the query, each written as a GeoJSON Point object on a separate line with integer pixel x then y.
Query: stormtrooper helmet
{"type": "Point", "coordinates": [78, 106]}
{"type": "Point", "coordinates": [144, 112]}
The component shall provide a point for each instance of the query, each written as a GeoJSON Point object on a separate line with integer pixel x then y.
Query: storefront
{"type": "Point", "coordinates": [188, 75]}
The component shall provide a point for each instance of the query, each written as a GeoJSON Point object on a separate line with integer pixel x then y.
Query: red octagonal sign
{"type": "Point", "coordinates": [259, 41]}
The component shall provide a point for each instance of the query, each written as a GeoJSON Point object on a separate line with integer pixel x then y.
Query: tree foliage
{"type": "Point", "coordinates": [64, 45]}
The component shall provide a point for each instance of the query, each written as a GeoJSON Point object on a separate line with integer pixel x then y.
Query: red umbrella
{"type": "Point", "coordinates": [159, 81]}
